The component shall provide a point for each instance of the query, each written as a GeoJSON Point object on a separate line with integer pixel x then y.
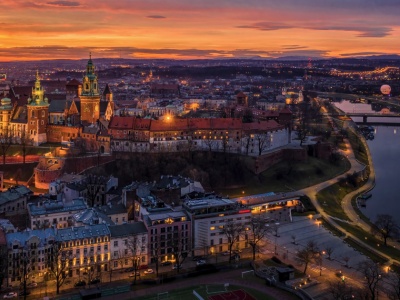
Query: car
{"type": "Point", "coordinates": [131, 269]}
{"type": "Point", "coordinates": [149, 271]}
{"type": "Point", "coordinates": [225, 253]}
{"type": "Point", "coordinates": [143, 267]}
{"type": "Point", "coordinates": [94, 281]}
{"type": "Point", "coordinates": [133, 274]}
{"type": "Point", "coordinates": [10, 295]}
{"type": "Point", "coordinates": [235, 257]}
{"type": "Point", "coordinates": [80, 283]}
{"type": "Point", "coordinates": [166, 263]}
{"type": "Point", "coordinates": [32, 284]}
{"type": "Point", "coordinates": [201, 262]}
{"type": "Point", "coordinates": [22, 293]}
{"type": "Point", "coordinates": [237, 251]}
{"type": "Point", "coordinates": [196, 258]}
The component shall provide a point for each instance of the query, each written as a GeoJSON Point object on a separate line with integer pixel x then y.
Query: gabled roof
{"type": "Point", "coordinates": [20, 115]}
{"type": "Point", "coordinates": [107, 90]}
{"type": "Point", "coordinates": [57, 106]}
{"type": "Point", "coordinates": [262, 126]}
{"type": "Point", "coordinates": [74, 82]}
{"type": "Point", "coordinates": [118, 122]}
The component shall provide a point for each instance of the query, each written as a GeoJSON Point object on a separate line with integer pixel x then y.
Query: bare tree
{"type": "Point", "coordinates": [135, 244]}
{"type": "Point", "coordinates": [329, 250]}
{"type": "Point", "coordinates": [392, 286]}
{"type": "Point", "coordinates": [373, 277]}
{"type": "Point", "coordinates": [155, 251]}
{"type": "Point", "coordinates": [246, 141]}
{"type": "Point", "coordinates": [263, 141]}
{"type": "Point", "coordinates": [57, 262]}
{"type": "Point", "coordinates": [258, 231]}
{"type": "Point", "coordinates": [340, 290]}
{"type": "Point", "coordinates": [24, 141]}
{"type": "Point", "coordinates": [307, 255]}
{"type": "Point", "coordinates": [6, 138]}
{"type": "Point", "coordinates": [232, 231]}
{"type": "Point", "coordinates": [180, 247]}
{"type": "Point", "coordinates": [385, 227]}
{"type": "Point", "coordinates": [94, 184]}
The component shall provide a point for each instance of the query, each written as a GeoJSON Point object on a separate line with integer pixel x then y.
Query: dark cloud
{"type": "Point", "coordinates": [156, 17]}
{"type": "Point", "coordinates": [62, 52]}
{"type": "Point", "coordinates": [293, 47]}
{"type": "Point", "coordinates": [64, 3]}
{"type": "Point", "coordinates": [362, 54]}
{"type": "Point", "coordinates": [362, 31]}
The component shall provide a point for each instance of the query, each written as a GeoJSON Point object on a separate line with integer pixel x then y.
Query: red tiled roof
{"type": "Point", "coordinates": [74, 82]}
{"type": "Point", "coordinates": [118, 122]}
{"type": "Point", "coordinates": [262, 126]}
{"type": "Point", "coordinates": [142, 124]}
{"type": "Point", "coordinates": [285, 110]}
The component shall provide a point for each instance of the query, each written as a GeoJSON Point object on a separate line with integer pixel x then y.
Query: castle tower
{"type": "Point", "coordinates": [90, 96]}
{"type": "Point", "coordinates": [38, 114]}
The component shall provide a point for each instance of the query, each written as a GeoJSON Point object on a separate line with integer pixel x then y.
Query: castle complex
{"type": "Point", "coordinates": [86, 116]}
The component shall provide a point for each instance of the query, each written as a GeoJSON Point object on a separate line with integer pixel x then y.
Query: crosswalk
{"type": "Point", "coordinates": [316, 268]}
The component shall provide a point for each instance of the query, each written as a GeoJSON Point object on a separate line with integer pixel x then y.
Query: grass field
{"type": "Point", "coordinates": [330, 199]}
{"type": "Point", "coordinates": [288, 176]}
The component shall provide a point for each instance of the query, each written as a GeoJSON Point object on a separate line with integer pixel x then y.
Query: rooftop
{"type": "Point", "coordinates": [82, 232]}
{"type": "Point", "coordinates": [52, 207]}
{"type": "Point", "coordinates": [127, 229]}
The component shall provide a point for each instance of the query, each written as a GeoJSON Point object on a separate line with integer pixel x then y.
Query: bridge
{"type": "Point", "coordinates": [365, 116]}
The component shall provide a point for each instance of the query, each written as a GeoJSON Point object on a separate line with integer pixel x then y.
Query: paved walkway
{"type": "Point", "coordinates": [233, 277]}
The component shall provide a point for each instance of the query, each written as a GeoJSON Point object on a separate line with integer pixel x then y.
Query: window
{"type": "Point", "coordinates": [115, 243]}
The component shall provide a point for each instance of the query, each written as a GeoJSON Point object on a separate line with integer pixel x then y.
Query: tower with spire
{"type": "Point", "coordinates": [90, 96]}
{"type": "Point", "coordinates": [38, 114]}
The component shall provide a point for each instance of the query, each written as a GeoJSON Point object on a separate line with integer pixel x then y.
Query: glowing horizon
{"type": "Point", "coordinates": [177, 29]}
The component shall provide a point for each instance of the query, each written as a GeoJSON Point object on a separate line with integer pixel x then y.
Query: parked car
{"type": "Point", "coordinates": [201, 262]}
{"type": "Point", "coordinates": [32, 284]}
{"type": "Point", "coordinates": [175, 266]}
{"type": "Point", "coordinates": [10, 295]}
{"type": "Point", "coordinates": [149, 271]}
{"type": "Point", "coordinates": [196, 258]}
{"type": "Point", "coordinates": [225, 253]}
{"type": "Point", "coordinates": [94, 281]}
{"type": "Point", "coordinates": [166, 263]}
{"type": "Point", "coordinates": [133, 274]}
{"type": "Point", "coordinates": [143, 267]}
{"type": "Point", "coordinates": [80, 283]}
{"type": "Point", "coordinates": [131, 269]}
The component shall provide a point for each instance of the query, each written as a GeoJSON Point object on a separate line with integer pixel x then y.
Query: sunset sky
{"type": "Point", "coordinates": [186, 29]}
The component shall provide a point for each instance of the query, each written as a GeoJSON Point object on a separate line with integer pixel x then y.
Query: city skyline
{"type": "Point", "coordinates": [63, 29]}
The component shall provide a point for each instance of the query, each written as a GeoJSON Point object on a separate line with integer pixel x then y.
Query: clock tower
{"type": "Point", "coordinates": [90, 97]}
{"type": "Point", "coordinates": [38, 114]}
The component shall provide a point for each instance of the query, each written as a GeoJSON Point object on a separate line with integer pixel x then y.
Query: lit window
{"type": "Point", "coordinates": [212, 228]}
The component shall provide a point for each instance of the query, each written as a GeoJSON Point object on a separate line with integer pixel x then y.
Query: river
{"type": "Point", "coordinates": [385, 152]}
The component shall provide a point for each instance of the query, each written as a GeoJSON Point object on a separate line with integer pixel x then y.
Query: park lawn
{"type": "Point", "coordinates": [20, 172]}
{"type": "Point", "coordinates": [15, 150]}
{"type": "Point", "coordinates": [370, 239]}
{"type": "Point", "coordinates": [330, 199]}
{"type": "Point", "coordinates": [287, 176]}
